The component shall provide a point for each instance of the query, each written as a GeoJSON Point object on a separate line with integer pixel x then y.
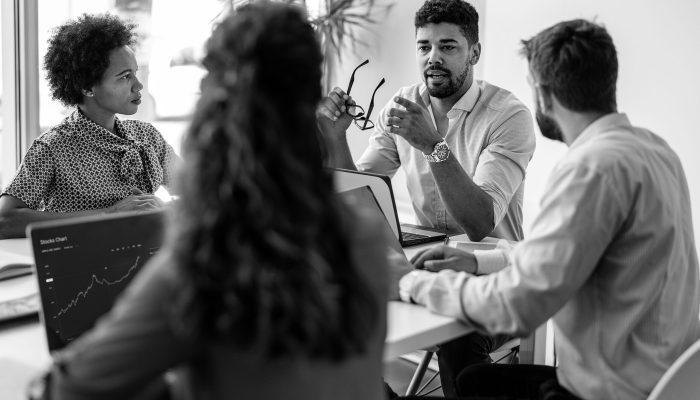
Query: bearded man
{"type": "Point", "coordinates": [464, 145]}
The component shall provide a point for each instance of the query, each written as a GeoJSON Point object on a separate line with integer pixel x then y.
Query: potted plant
{"type": "Point", "coordinates": [336, 22]}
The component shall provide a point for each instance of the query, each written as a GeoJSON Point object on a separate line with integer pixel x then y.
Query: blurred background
{"type": "Point", "coordinates": [657, 44]}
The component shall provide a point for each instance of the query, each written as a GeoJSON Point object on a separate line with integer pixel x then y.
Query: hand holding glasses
{"type": "Point", "coordinates": [357, 112]}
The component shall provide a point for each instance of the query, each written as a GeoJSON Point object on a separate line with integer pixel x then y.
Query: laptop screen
{"type": "Point", "coordinates": [407, 234]}
{"type": "Point", "coordinates": [363, 197]}
{"type": "Point", "coordinates": [83, 264]}
{"type": "Point", "coordinates": [380, 186]}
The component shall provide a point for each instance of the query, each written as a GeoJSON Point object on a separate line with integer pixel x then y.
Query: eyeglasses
{"type": "Point", "coordinates": [358, 113]}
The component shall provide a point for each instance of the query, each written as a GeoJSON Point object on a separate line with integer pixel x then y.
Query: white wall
{"type": "Point", "coordinates": [659, 56]}
{"type": "Point", "coordinates": [659, 77]}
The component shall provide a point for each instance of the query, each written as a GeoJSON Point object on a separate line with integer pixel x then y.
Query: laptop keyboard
{"type": "Point", "coordinates": [405, 236]}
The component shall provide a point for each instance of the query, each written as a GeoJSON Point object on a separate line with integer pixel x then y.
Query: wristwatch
{"type": "Point", "coordinates": [440, 152]}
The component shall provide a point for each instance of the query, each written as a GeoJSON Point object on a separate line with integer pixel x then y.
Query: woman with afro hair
{"type": "Point", "coordinates": [92, 162]}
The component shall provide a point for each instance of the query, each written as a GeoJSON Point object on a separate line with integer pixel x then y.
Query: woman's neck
{"type": "Point", "coordinates": [98, 116]}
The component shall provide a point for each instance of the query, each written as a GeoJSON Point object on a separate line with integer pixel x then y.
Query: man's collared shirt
{"type": "Point", "coordinates": [490, 133]}
{"type": "Point", "coordinates": [611, 258]}
{"type": "Point", "coordinates": [79, 165]}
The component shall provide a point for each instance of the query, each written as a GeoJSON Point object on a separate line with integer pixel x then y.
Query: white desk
{"type": "Point", "coordinates": [23, 349]}
{"type": "Point", "coordinates": [16, 251]}
{"type": "Point", "coordinates": [412, 327]}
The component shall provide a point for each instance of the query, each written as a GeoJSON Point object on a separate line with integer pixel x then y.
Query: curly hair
{"type": "Point", "coordinates": [576, 61]}
{"type": "Point", "coordinates": [456, 12]}
{"type": "Point", "coordinates": [78, 54]}
{"type": "Point", "coordinates": [261, 234]}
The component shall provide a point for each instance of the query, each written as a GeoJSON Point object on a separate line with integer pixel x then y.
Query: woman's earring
{"type": "Point", "coordinates": [88, 93]}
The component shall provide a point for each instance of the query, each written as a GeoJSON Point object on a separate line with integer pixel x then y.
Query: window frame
{"type": "Point", "coordinates": [20, 77]}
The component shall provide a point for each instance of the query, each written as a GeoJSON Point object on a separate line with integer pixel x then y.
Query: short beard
{"type": "Point", "coordinates": [449, 89]}
{"type": "Point", "coordinates": [548, 126]}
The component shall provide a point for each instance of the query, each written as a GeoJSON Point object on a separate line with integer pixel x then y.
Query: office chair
{"type": "Point", "coordinates": [681, 380]}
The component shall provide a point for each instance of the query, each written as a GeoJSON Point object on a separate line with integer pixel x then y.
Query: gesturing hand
{"type": "Point", "coordinates": [437, 258]}
{"type": "Point", "coordinates": [413, 123]}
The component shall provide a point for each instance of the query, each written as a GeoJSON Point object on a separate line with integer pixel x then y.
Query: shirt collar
{"type": "Point", "coordinates": [605, 123]}
{"type": "Point", "coordinates": [465, 103]}
{"type": "Point", "coordinates": [78, 116]}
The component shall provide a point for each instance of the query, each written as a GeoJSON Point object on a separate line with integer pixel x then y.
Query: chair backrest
{"type": "Point", "coordinates": [681, 380]}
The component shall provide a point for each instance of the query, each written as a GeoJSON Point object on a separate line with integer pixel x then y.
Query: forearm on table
{"type": "Point", "coordinates": [465, 201]}
{"type": "Point", "coordinates": [439, 292]}
{"type": "Point", "coordinates": [13, 223]}
{"type": "Point", "coordinates": [465, 297]}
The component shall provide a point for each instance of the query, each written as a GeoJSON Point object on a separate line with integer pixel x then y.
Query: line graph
{"type": "Point", "coordinates": [95, 280]}
{"type": "Point", "coordinates": [86, 264]}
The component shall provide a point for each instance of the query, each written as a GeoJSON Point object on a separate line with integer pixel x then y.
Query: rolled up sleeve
{"type": "Point", "coordinates": [381, 156]}
{"type": "Point", "coordinates": [502, 164]}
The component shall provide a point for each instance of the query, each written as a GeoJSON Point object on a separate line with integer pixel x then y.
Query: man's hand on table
{"type": "Point", "coordinates": [437, 258]}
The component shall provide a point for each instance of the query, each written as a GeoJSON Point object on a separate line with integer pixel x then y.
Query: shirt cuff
{"type": "Point", "coordinates": [489, 261]}
{"type": "Point", "coordinates": [440, 292]}
{"type": "Point", "coordinates": [406, 285]}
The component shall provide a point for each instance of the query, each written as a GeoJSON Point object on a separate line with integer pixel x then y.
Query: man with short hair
{"type": "Point", "coordinates": [464, 145]}
{"type": "Point", "coordinates": [611, 257]}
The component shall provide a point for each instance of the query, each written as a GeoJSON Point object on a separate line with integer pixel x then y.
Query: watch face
{"type": "Point", "coordinates": [441, 151]}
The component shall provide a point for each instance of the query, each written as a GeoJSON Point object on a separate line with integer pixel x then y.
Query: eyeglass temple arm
{"type": "Point", "coordinates": [352, 76]}
{"type": "Point", "coordinates": [371, 102]}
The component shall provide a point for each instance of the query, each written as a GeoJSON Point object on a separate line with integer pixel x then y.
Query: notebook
{"type": "Point", "coordinates": [14, 270]}
{"type": "Point", "coordinates": [83, 264]}
{"type": "Point", "coordinates": [407, 234]}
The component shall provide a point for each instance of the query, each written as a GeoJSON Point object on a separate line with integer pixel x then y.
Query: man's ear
{"type": "Point", "coordinates": [475, 51]}
{"type": "Point", "coordinates": [544, 99]}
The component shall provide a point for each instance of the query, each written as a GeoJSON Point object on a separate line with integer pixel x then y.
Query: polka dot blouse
{"type": "Point", "coordinates": [79, 165]}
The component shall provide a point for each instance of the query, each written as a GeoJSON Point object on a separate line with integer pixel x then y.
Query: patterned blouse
{"type": "Point", "coordinates": [78, 165]}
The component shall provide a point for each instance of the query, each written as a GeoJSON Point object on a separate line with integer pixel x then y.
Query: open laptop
{"type": "Point", "coordinates": [83, 264]}
{"type": "Point", "coordinates": [408, 235]}
{"type": "Point", "coordinates": [363, 197]}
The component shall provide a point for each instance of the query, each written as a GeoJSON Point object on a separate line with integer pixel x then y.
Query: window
{"type": "Point", "coordinates": [171, 42]}
{"type": "Point", "coordinates": [172, 34]}
{"type": "Point", "coordinates": [19, 83]}
{"type": "Point", "coordinates": [2, 108]}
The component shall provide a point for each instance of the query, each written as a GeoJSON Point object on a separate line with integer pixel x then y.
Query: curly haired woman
{"type": "Point", "coordinates": [269, 285]}
{"type": "Point", "coordinates": [91, 162]}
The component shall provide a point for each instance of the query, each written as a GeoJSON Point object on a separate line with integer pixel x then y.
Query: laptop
{"type": "Point", "coordinates": [363, 197]}
{"type": "Point", "coordinates": [407, 234]}
{"type": "Point", "coordinates": [83, 264]}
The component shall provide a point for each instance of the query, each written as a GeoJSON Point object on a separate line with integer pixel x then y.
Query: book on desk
{"type": "Point", "coordinates": [13, 270]}
{"type": "Point", "coordinates": [18, 289]}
